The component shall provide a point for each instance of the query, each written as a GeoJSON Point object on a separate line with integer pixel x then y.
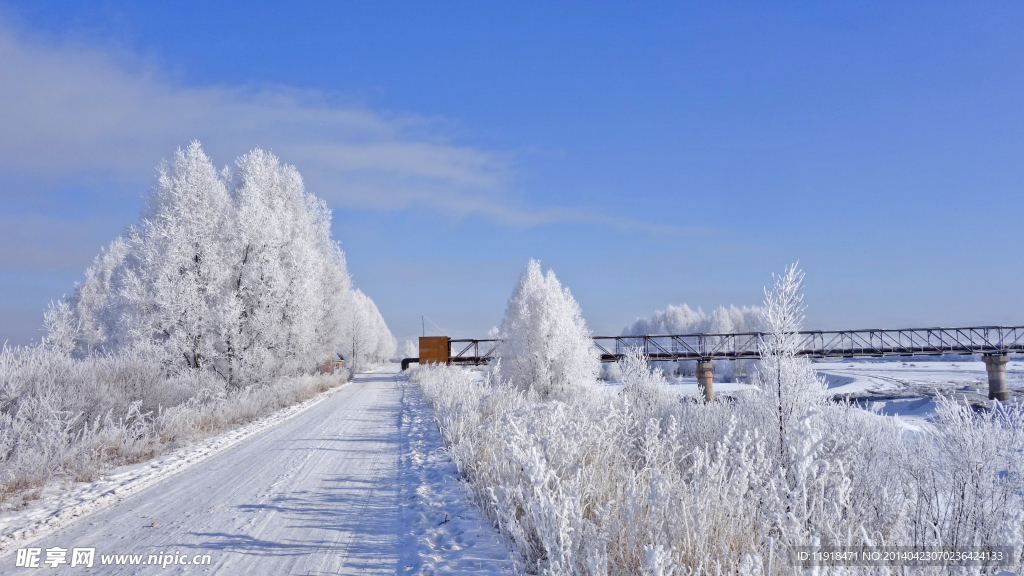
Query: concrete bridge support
{"type": "Point", "coordinates": [996, 367]}
{"type": "Point", "coordinates": [705, 373]}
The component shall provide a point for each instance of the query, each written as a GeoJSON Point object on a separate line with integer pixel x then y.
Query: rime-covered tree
{"type": "Point", "coordinates": [684, 320]}
{"type": "Point", "coordinates": [177, 263]}
{"type": "Point", "coordinates": [288, 280]}
{"type": "Point", "coordinates": [545, 344]}
{"type": "Point", "coordinates": [96, 301]}
{"type": "Point", "coordinates": [410, 350]}
{"type": "Point", "coordinates": [366, 339]}
{"type": "Point", "coordinates": [787, 386]}
{"type": "Point", "coordinates": [234, 273]}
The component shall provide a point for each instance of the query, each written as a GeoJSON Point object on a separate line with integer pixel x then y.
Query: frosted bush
{"type": "Point", "coordinates": [71, 419]}
{"type": "Point", "coordinates": [649, 483]}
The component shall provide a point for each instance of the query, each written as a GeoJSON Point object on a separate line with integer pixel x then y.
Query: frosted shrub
{"type": "Point", "coordinates": [66, 418]}
{"type": "Point", "coordinates": [587, 487]}
{"type": "Point", "coordinates": [648, 483]}
{"type": "Point", "coordinates": [969, 478]}
{"type": "Point", "coordinates": [545, 344]}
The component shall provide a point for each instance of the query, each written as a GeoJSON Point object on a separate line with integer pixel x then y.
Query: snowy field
{"type": "Point", "coordinates": [892, 388]}
{"type": "Point", "coordinates": [352, 482]}
{"type": "Point", "coordinates": [909, 389]}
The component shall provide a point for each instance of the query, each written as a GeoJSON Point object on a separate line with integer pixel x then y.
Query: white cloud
{"type": "Point", "coordinates": [74, 115]}
{"type": "Point", "coordinates": [66, 110]}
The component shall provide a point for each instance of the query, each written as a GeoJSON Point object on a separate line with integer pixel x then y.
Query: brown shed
{"type": "Point", "coordinates": [433, 350]}
{"type": "Point", "coordinates": [331, 366]}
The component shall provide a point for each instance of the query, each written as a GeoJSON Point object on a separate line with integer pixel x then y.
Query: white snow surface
{"type": "Point", "coordinates": [906, 390]}
{"type": "Point", "coordinates": [682, 386]}
{"type": "Point", "coordinates": [353, 481]}
{"type": "Point", "coordinates": [909, 389]}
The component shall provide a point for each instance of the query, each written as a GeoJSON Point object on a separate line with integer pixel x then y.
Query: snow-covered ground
{"type": "Point", "coordinates": [352, 482]}
{"type": "Point", "coordinates": [909, 389]}
{"type": "Point", "coordinates": [681, 386]}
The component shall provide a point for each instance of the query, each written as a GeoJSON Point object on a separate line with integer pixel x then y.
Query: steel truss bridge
{"type": "Point", "coordinates": [987, 340]}
{"type": "Point", "coordinates": [995, 343]}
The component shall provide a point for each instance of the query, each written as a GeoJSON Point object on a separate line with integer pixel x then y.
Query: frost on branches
{"type": "Point", "coordinates": [787, 388]}
{"type": "Point", "coordinates": [230, 272]}
{"type": "Point", "coordinates": [545, 344]}
{"type": "Point", "coordinates": [644, 482]}
{"type": "Point", "coordinates": [684, 320]}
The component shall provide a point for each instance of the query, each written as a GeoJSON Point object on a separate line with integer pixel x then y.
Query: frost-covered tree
{"type": "Point", "coordinates": [96, 300]}
{"type": "Point", "coordinates": [787, 386]}
{"type": "Point", "coordinates": [231, 272]}
{"type": "Point", "coordinates": [178, 263]}
{"type": "Point", "coordinates": [288, 283]}
{"type": "Point", "coordinates": [410, 350]}
{"type": "Point", "coordinates": [684, 320]}
{"type": "Point", "coordinates": [545, 344]}
{"type": "Point", "coordinates": [366, 339]}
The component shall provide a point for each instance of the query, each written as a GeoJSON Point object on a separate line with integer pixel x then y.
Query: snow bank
{"type": "Point", "coordinates": [445, 532]}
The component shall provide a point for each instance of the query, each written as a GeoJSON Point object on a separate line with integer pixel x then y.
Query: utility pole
{"type": "Point", "coordinates": [424, 322]}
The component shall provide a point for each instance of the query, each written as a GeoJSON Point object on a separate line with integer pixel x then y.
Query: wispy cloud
{"type": "Point", "coordinates": [72, 109]}
{"type": "Point", "coordinates": [73, 114]}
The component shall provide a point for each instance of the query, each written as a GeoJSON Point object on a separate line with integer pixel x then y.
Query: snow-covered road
{"type": "Point", "coordinates": [353, 484]}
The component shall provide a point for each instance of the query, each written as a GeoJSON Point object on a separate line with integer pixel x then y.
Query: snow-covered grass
{"type": "Point", "coordinates": [70, 419]}
{"type": "Point", "coordinates": [647, 482]}
{"type": "Point", "coordinates": [60, 505]}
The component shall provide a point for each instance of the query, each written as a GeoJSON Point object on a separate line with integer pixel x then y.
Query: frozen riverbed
{"type": "Point", "coordinates": [909, 389]}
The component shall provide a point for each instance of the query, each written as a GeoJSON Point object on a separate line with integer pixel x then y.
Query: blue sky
{"type": "Point", "coordinates": [650, 153]}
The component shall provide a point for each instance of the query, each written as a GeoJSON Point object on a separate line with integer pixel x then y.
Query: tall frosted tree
{"type": "Point", "coordinates": [287, 280]}
{"type": "Point", "coordinates": [96, 301]}
{"type": "Point", "coordinates": [232, 272]}
{"type": "Point", "coordinates": [177, 263]}
{"type": "Point", "coordinates": [545, 344]}
{"type": "Point", "coordinates": [787, 388]}
{"type": "Point", "coordinates": [366, 339]}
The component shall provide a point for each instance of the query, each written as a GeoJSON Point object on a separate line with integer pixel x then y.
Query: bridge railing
{"type": "Point", "coordinates": [467, 351]}
{"type": "Point", "coordinates": [990, 340]}
{"type": "Point", "coordinates": [822, 343]}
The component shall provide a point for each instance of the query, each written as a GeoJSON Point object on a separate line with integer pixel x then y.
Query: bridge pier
{"type": "Point", "coordinates": [705, 374]}
{"type": "Point", "coordinates": [995, 365]}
